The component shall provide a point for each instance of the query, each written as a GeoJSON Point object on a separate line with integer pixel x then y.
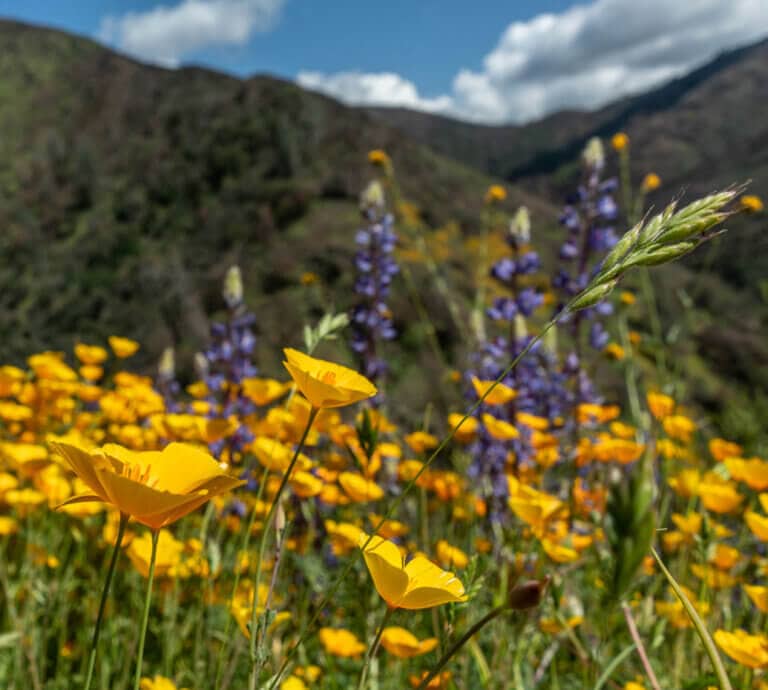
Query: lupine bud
{"type": "Point", "coordinates": [202, 366]}
{"type": "Point", "coordinates": [520, 226]}
{"type": "Point", "coordinates": [372, 197]}
{"type": "Point", "coordinates": [594, 154]}
{"type": "Point", "coordinates": [233, 287]}
{"type": "Point", "coordinates": [167, 366]}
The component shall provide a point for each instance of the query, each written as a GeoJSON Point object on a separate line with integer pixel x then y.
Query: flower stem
{"type": "Point", "coordinates": [255, 665]}
{"type": "Point", "coordinates": [456, 646]}
{"type": "Point", "coordinates": [627, 611]}
{"type": "Point", "coordinates": [103, 602]}
{"type": "Point", "coordinates": [145, 616]}
{"type": "Point", "coordinates": [243, 549]}
{"type": "Point", "coordinates": [371, 653]}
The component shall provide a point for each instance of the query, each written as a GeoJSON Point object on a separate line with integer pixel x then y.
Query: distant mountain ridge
{"type": "Point", "coordinates": [126, 191]}
{"type": "Point", "coordinates": [540, 147]}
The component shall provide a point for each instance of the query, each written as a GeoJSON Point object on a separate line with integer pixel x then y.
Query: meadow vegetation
{"type": "Point", "coordinates": [302, 527]}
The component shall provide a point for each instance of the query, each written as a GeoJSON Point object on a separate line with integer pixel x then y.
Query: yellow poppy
{"type": "Point", "coordinates": [122, 347]}
{"type": "Point", "coordinates": [340, 642]}
{"type": "Point", "coordinates": [155, 487]}
{"type": "Point", "coordinates": [326, 384]}
{"type": "Point", "coordinates": [467, 431]}
{"type": "Point", "coordinates": [450, 556]}
{"type": "Point", "coordinates": [419, 584]}
{"type": "Point", "coordinates": [758, 595]}
{"type": "Point", "coordinates": [404, 644]}
{"type": "Point", "coordinates": [748, 650]}
{"type": "Point", "coordinates": [500, 395]}
{"type": "Point", "coordinates": [499, 429]}
{"type": "Point", "coordinates": [358, 488]}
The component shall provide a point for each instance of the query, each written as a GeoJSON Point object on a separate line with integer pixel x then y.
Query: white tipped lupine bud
{"type": "Point", "coordinates": [521, 328]}
{"type": "Point", "coordinates": [233, 287]}
{"type": "Point", "coordinates": [201, 365]}
{"type": "Point", "coordinates": [372, 197]}
{"type": "Point", "coordinates": [550, 340]}
{"type": "Point", "coordinates": [594, 154]}
{"type": "Point", "coordinates": [520, 226]}
{"type": "Point", "coordinates": [166, 369]}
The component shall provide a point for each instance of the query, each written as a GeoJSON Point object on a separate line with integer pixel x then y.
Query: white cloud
{"type": "Point", "coordinates": [591, 54]}
{"type": "Point", "coordinates": [165, 34]}
{"type": "Point", "coordinates": [583, 57]}
{"type": "Point", "coordinates": [382, 88]}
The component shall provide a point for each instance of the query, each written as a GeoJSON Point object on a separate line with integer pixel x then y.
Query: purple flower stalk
{"type": "Point", "coordinates": [375, 267]}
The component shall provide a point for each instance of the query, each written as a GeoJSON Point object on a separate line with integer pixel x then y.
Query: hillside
{"type": "Point", "coordinates": [127, 190]}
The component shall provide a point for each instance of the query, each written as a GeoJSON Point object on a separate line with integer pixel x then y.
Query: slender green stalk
{"type": "Point", "coordinates": [246, 541]}
{"type": "Point", "coordinates": [147, 604]}
{"type": "Point", "coordinates": [456, 646]}
{"type": "Point", "coordinates": [613, 665]}
{"type": "Point", "coordinates": [255, 634]}
{"type": "Point", "coordinates": [698, 624]}
{"type": "Point", "coordinates": [103, 602]}
{"type": "Point", "coordinates": [373, 648]}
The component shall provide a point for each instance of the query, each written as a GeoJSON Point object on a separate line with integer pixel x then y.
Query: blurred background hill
{"type": "Point", "coordinates": [126, 190]}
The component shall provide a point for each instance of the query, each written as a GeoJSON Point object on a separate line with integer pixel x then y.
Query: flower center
{"type": "Point", "coordinates": [138, 474]}
{"type": "Point", "coordinates": [329, 377]}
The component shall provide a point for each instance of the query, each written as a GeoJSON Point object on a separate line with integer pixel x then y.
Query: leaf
{"type": "Point", "coordinates": [701, 629]}
{"type": "Point", "coordinates": [613, 665]}
{"type": "Point", "coordinates": [9, 639]}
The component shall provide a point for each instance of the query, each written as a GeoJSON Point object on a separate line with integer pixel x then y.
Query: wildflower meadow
{"type": "Point", "coordinates": [560, 515]}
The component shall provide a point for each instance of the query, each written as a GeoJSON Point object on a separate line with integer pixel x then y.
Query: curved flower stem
{"type": "Point", "coordinates": [256, 634]}
{"type": "Point", "coordinates": [147, 603]}
{"type": "Point", "coordinates": [456, 646]}
{"type": "Point", "coordinates": [371, 653]}
{"type": "Point", "coordinates": [103, 602]}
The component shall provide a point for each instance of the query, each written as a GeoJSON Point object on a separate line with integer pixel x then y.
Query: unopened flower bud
{"type": "Point", "coordinates": [594, 154]}
{"type": "Point", "coordinates": [167, 366]}
{"type": "Point", "coordinates": [201, 365]}
{"type": "Point", "coordinates": [233, 287]}
{"type": "Point", "coordinates": [527, 595]}
{"type": "Point", "coordinates": [520, 226]}
{"type": "Point", "coordinates": [372, 197]}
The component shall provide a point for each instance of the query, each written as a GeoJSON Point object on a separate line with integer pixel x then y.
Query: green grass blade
{"type": "Point", "coordinates": [605, 676]}
{"type": "Point", "coordinates": [701, 629]}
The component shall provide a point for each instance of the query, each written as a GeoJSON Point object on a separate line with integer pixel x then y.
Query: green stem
{"type": "Point", "coordinates": [147, 603]}
{"type": "Point", "coordinates": [255, 665]}
{"type": "Point", "coordinates": [456, 646]}
{"type": "Point", "coordinates": [371, 653]}
{"type": "Point", "coordinates": [649, 297]}
{"type": "Point", "coordinates": [103, 602]}
{"type": "Point", "coordinates": [244, 549]}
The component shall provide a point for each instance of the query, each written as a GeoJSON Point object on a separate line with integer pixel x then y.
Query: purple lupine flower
{"type": "Point", "coordinates": [371, 318]}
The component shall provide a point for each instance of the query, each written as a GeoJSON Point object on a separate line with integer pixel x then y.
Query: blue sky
{"type": "Point", "coordinates": [490, 61]}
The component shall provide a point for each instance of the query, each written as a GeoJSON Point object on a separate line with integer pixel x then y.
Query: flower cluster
{"type": "Point", "coordinates": [375, 267]}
